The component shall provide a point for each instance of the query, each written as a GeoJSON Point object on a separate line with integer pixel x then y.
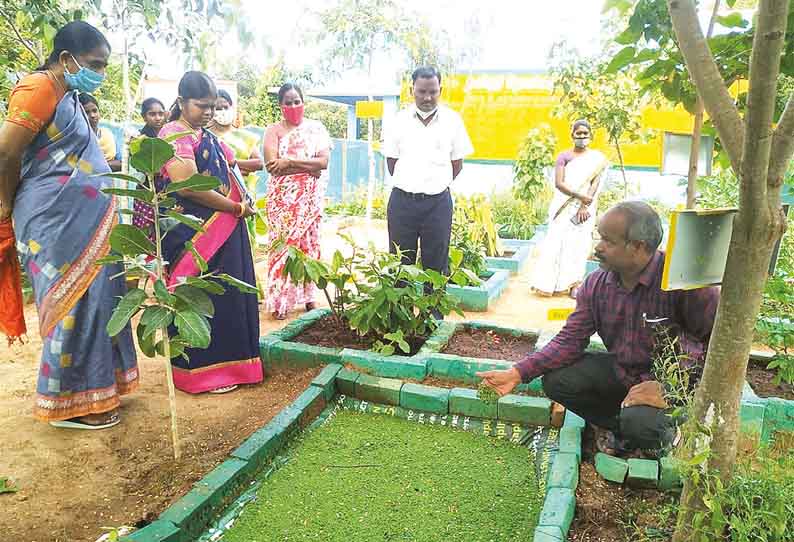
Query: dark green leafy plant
{"type": "Point", "coordinates": [376, 295]}
{"type": "Point", "coordinates": [187, 306]}
{"type": "Point", "coordinates": [518, 219]}
{"type": "Point", "coordinates": [533, 164]}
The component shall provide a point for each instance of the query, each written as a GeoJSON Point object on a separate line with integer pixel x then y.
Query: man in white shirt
{"type": "Point", "coordinates": [424, 151]}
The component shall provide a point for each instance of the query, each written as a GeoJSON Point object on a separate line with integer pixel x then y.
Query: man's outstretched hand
{"type": "Point", "coordinates": [649, 393]}
{"type": "Point", "coordinates": [501, 381]}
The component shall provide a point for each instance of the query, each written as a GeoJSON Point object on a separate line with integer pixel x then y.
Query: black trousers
{"type": "Point", "coordinates": [416, 220]}
{"type": "Point", "coordinates": [591, 389]}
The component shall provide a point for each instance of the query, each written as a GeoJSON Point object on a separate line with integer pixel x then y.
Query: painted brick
{"type": "Point", "coordinates": [346, 381]}
{"type": "Point", "coordinates": [222, 481]}
{"type": "Point", "coordinates": [779, 416]}
{"type": "Point", "coordinates": [277, 353]}
{"type": "Point", "coordinates": [669, 476]}
{"type": "Point", "coordinates": [611, 468]}
{"type": "Point", "coordinates": [462, 369]}
{"type": "Point", "coordinates": [464, 401]}
{"type": "Point", "coordinates": [309, 404]}
{"type": "Point", "coordinates": [573, 420]}
{"type": "Point", "coordinates": [157, 531]}
{"type": "Point", "coordinates": [570, 442]}
{"type": "Point", "coordinates": [386, 366]}
{"type": "Point", "coordinates": [558, 509]}
{"type": "Point", "coordinates": [564, 471]}
{"type": "Point", "coordinates": [314, 315]}
{"type": "Point", "coordinates": [548, 533]}
{"type": "Point", "coordinates": [522, 409]}
{"type": "Point", "coordinates": [424, 398]}
{"type": "Point", "coordinates": [643, 473]}
{"type": "Point", "coordinates": [194, 510]}
{"type": "Point", "coordinates": [326, 379]}
{"type": "Point", "coordinates": [261, 446]}
{"type": "Point", "coordinates": [557, 414]}
{"type": "Point", "coordinates": [470, 298]}
{"type": "Point", "coordinates": [378, 390]}
{"type": "Point", "coordinates": [307, 355]}
{"type": "Point", "coordinates": [751, 416]}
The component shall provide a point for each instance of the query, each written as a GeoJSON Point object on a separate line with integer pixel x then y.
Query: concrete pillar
{"type": "Point", "coordinates": [352, 123]}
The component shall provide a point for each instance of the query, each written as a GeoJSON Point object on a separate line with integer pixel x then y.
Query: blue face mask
{"type": "Point", "coordinates": [85, 80]}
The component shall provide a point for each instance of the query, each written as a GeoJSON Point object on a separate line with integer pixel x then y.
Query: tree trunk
{"type": "Point", "coordinates": [622, 170]}
{"type": "Point", "coordinates": [756, 227]}
{"type": "Point", "coordinates": [694, 149]}
{"type": "Point", "coordinates": [694, 156]}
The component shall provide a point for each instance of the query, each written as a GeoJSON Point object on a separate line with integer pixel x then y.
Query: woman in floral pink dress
{"type": "Point", "coordinates": [296, 156]}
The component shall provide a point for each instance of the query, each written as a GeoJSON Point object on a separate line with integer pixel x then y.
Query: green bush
{"type": "Point", "coordinates": [517, 219]}
{"type": "Point", "coordinates": [379, 297]}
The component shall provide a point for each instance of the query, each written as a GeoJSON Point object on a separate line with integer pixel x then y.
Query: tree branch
{"type": "Point", "coordinates": [20, 39]}
{"type": "Point", "coordinates": [782, 146]}
{"type": "Point", "coordinates": [706, 76]}
{"type": "Point", "coordinates": [768, 44]}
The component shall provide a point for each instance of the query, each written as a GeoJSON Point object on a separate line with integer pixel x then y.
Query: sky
{"type": "Point", "coordinates": [514, 34]}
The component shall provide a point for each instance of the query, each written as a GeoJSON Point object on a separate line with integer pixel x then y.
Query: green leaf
{"type": "Point", "coordinates": [197, 183]}
{"type": "Point", "coordinates": [621, 59]}
{"type": "Point", "coordinates": [455, 257]}
{"type": "Point", "coordinates": [152, 155]}
{"type": "Point", "coordinates": [122, 176]}
{"type": "Point", "coordinates": [126, 309]}
{"type": "Point", "coordinates": [163, 295]}
{"type": "Point", "coordinates": [240, 285]}
{"type": "Point", "coordinates": [193, 328]}
{"type": "Point", "coordinates": [196, 299]}
{"type": "Point", "coordinates": [130, 241]}
{"type": "Point", "coordinates": [630, 35]}
{"type": "Point", "coordinates": [200, 261]}
{"type": "Point", "coordinates": [110, 259]}
{"type": "Point", "coordinates": [146, 340]}
{"type": "Point", "coordinates": [143, 195]}
{"type": "Point", "coordinates": [155, 318]}
{"type": "Point", "coordinates": [209, 285]}
{"type": "Point", "coordinates": [197, 225]}
{"type": "Point", "coordinates": [732, 20]}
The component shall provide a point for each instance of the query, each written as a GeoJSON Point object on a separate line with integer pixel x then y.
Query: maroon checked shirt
{"type": "Point", "coordinates": [624, 320]}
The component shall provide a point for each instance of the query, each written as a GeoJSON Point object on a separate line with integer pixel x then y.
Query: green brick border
{"type": "Point", "coordinates": [479, 298]}
{"type": "Point", "coordinates": [514, 263]}
{"type": "Point", "coordinates": [192, 514]}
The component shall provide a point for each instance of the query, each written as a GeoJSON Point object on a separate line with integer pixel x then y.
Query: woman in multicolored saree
{"type": "Point", "coordinates": [563, 253]}
{"type": "Point", "coordinates": [296, 156]}
{"type": "Point", "coordinates": [233, 354]}
{"type": "Point", "coordinates": [49, 165]}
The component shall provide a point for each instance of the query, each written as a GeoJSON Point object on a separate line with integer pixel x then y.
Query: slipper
{"type": "Point", "coordinates": [310, 306]}
{"type": "Point", "coordinates": [224, 389]}
{"type": "Point", "coordinates": [279, 316]}
{"type": "Point", "coordinates": [74, 423]}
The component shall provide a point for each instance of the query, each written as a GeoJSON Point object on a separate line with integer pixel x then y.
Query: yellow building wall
{"type": "Point", "coordinates": [499, 110]}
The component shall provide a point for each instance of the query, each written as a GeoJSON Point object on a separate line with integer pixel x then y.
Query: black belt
{"type": "Point", "coordinates": [418, 195]}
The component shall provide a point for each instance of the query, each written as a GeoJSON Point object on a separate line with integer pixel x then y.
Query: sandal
{"type": "Point", "coordinates": [279, 316]}
{"type": "Point", "coordinates": [605, 441]}
{"type": "Point", "coordinates": [310, 306]}
{"type": "Point", "coordinates": [224, 389]}
{"type": "Point", "coordinates": [79, 423]}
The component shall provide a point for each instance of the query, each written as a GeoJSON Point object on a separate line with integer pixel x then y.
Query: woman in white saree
{"type": "Point", "coordinates": [563, 253]}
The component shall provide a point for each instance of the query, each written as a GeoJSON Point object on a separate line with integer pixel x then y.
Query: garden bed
{"type": "Point", "coordinates": [532, 470]}
{"type": "Point", "coordinates": [326, 332]}
{"type": "Point", "coordinates": [377, 477]}
{"type": "Point", "coordinates": [477, 342]}
{"type": "Point", "coordinates": [478, 298]}
{"type": "Point", "coordinates": [761, 380]}
{"type": "Point", "coordinates": [516, 254]}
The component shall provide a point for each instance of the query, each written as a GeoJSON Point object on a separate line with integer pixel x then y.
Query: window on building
{"type": "Point", "coordinates": [675, 154]}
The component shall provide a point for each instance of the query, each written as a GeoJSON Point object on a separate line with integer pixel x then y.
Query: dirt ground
{"type": "Point", "coordinates": [71, 484]}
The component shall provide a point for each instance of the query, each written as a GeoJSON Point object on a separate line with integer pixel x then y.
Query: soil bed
{"type": "Point", "coordinates": [483, 343]}
{"type": "Point", "coordinates": [760, 379]}
{"type": "Point", "coordinates": [370, 477]}
{"type": "Point", "coordinates": [326, 332]}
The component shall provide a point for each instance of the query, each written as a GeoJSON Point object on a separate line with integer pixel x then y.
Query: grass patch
{"type": "Point", "coordinates": [379, 478]}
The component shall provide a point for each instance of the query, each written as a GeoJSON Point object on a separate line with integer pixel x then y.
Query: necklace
{"type": "Point", "coordinates": [187, 124]}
